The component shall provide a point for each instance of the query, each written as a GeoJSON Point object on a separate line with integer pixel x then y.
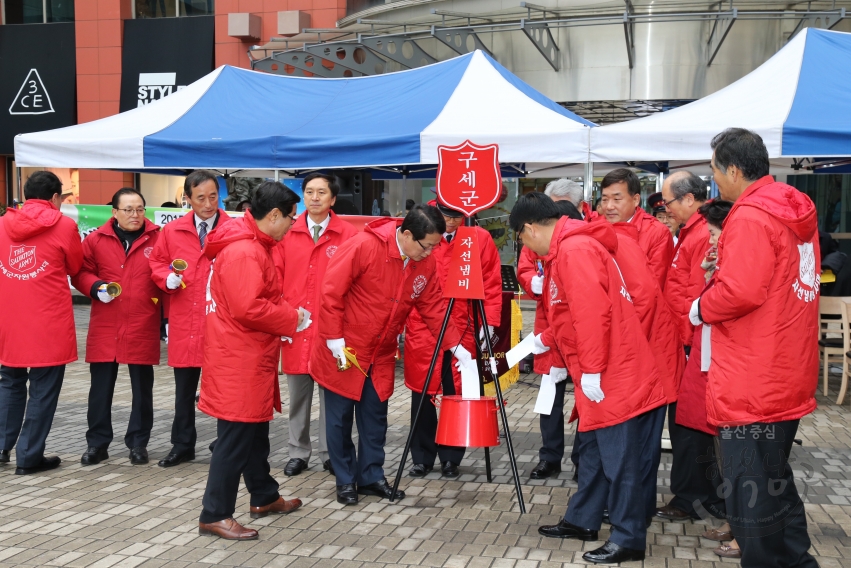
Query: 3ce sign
{"type": "Point", "coordinates": [32, 97]}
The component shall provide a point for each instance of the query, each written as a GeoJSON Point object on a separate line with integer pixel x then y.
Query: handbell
{"type": "Point", "coordinates": [178, 265]}
{"type": "Point", "coordinates": [113, 289]}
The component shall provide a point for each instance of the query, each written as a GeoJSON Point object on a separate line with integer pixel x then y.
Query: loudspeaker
{"type": "Point", "coordinates": [357, 192]}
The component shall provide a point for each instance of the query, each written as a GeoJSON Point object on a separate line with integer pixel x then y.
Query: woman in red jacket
{"type": "Point", "coordinates": [124, 329]}
{"type": "Point", "coordinates": [246, 317]}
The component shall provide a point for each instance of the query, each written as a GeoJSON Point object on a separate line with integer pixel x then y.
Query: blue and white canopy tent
{"type": "Point", "coordinates": [238, 119]}
{"type": "Point", "coordinates": [799, 101]}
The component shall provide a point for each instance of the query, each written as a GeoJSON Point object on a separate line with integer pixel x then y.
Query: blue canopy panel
{"type": "Point", "coordinates": [307, 122]}
{"type": "Point", "coordinates": [820, 118]}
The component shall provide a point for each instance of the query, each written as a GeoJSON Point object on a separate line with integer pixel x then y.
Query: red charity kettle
{"type": "Point", "coordinates": [467, 422]}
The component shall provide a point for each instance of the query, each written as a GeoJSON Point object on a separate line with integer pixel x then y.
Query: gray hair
{"type": "Point", "coordinates": [689, 183]}
{"type": "Point", "coordinates": [565, 188]}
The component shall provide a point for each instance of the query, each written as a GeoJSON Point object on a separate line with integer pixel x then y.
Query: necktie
{"type": "Point", "coordinates": [316, 230]}
{"type": "Point", "coordinates": [202, 232]}
{"type": "Point", "coordinates": [449, 237]}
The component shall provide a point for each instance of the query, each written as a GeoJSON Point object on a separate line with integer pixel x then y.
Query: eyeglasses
{"type": "Point", "coordinates": [291, 217]}
{"type": "Point", "coordinates": [668, 203]}
{"type": "Point", "coordinates": [429, 247]}
{"type": "Point", "coordinates": [133, 212]}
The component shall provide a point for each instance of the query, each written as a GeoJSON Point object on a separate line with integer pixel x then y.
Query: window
{"type": "Point", "coordinates": [172, 8]}
{"type": "Point", "coordinates": [37, 11]}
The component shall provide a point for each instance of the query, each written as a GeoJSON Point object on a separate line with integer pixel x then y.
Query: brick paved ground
{"type": "Point", "coordinates": [116, 514]}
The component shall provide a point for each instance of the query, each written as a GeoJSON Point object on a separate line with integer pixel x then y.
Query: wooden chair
{"type": "Point", "coordinates": [844, 385]}
{"type": "Point", "coordinates": [834, 338]}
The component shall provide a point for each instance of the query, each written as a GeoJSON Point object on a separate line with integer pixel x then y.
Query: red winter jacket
{"type": "Point", "coordinates": [691, 404]}
{"type": "Point", "coordinates": [526, 270]}
{"type": "Point", "coordinates": [686, 278]}
{"type": "Point", "coordinates": [126, 330]}
{"type": "Point", "coordinates": [657, 243]}
{"type": "Point", "coordinates": [43, 247]}
{"type": "Point", "coordinates": [420, 340]}
{"type": "Point", "coordinates": [367, 295]}
{"type": "Point", "coordinates": [179, 239]}
{"type": "Point", "coordinates": [246, 317]}
{"type": "Point", "coordinates": [301, 266]}
{"type": "Point", "coordinates": [660, 326]}
{"type": "Point", "coordinates": [594, 325]}
{"type": "Point", "coordinates": [763, 309]}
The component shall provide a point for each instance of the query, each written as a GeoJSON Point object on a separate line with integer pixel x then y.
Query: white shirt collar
{"type": "Point", "coordinates": [323, 224]}
{"type": "Point", "coordinates": [633, 216]}
{"type": "Point", "coordinates": [210, 222]}
{"type": "Point", "coordinates": [446, 235]}
{"type": "Point", "coordinates": [401, 252]}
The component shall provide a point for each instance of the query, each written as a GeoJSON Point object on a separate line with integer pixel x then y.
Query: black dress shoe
{"type": "Point", "coordinates": [326, 465]}
{"type": "Point", "coordinates": [611, 553]}
{"type": "Point", "coordinates": [4, 456]}
{"type": "Point", "coordinates": [346, 494]}
{"type": "Point", "coordinates": [94, 456]}
{"type": "Point", "coordinates": [450, 470]}
{"type": "Point", "coordinates": [567, 530]}
{"type": "Point", "coordinates": [380, 489]}
{"type": "Point", "coordinates": [138, 456]}
{"type": "Point", "coordinates": [176, 458]}
{"type": "Point", "coordinates": [671, 513]}
{"type": "Point", "coordinates": [420, 470]}
{"type": "Point", "coordinates": [46, 464]}
{"type": "Point", "coordinates": [295, 466]}
{"type": "Point", "coordinates": [545, 469]}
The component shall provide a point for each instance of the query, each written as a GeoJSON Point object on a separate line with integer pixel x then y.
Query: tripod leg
{"type": "Point", "coordinates": [480, 305]}
{"type": "Point", "coordinates": [422, 399]}
{"type": "Point", "coordinates": [472, 307]}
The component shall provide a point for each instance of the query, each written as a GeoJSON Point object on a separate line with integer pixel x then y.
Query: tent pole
{"type": "Point", "coordinates": [588, 182]}
{"type": "Point", "coordinates": [660, 181]}
{"type": "Point", "coordinates": [277, 175]}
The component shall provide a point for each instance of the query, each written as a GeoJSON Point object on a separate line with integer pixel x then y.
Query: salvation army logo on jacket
{"type": "Point", "coordinates": [419, 285]}
{"type": "Point", "coordinates": [553, 290]}
{"type": "Point", "coordinates": [806, 274]}
{"type": "Point", "coordinates": [22, 258]}
{"type": "Point", "coordinates": [148, 251]}
{"type": "Point", "coordinates": [329, 252]}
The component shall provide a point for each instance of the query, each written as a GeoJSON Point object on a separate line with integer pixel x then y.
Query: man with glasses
{"type": "Point", "coordinates": [302, 257]}
{"type": "Point", "coordinates": [371, 285]}
{"type": "Point", "coordinates": [420, 343]}
{"type": "Point", "coordinates": [124, 325]}
{"type": "Point", "coordinates": [185, 239]}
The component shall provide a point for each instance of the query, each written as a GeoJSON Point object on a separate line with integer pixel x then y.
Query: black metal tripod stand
{"type": "Point", "coordinates": [478, 314]}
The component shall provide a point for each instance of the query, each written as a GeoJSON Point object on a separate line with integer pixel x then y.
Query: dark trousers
{"type": "Point", "coordinates": [653, 450]}
{"type": "Point", "coordinates": [552, 429]}
{"type": "Point", "coordinates": [242, 449]}
{"type": "Point", "coordinates": [424, 449]}
{"type": "Point", "coordinates": [366, 466]}
{"type": "Point", "coordinates": [27, 422]}
{"type": "Point", "coordinates": [183, 433]}
{"type": "Point", "coordinates": [695, 481]}
{"type": "Point", "coordinates": [104, 375]}
{"type": "Point", "coordinates": [763, 505]}
{"type": "Point", "coordinates": [612, 469]}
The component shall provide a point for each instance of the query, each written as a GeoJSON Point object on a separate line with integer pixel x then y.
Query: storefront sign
{"type": "Point", "coordinates": [38, 90]}
{"type": "Point", "coordinates": [163, 55]}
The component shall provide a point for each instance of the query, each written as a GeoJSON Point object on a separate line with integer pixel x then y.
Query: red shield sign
{"type": "Point", "coordinates": [468, 176]}
{"type": "Point", "coordinates": [22, 258]}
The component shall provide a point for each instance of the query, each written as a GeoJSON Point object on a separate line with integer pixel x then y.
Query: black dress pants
{"type": "Point", "coordinates": [104, 375]}
{"type": "Point", "coordinates": [764, 508]}
{"type": "Point", "coordinates": [242, 449]}
{"type": "Point", "coordinates": [183, 433]}
{"type": "Point", "coordinates": [424, 449]}
{"type": "Point", "coordinates": [552, 429]}
{"type": "Point", "coordinates": [694, 471]}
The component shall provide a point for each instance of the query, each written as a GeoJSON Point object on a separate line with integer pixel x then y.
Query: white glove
{"type": "Point", "coordinates": [287, 339]}
{"type": "Point", "coordinates": [539, 346]}
{"type": "Point", "coordinates": [462, 356]}
{"type": "Point", "coordinates": [558, 374]}
{"type": "Point", "coordinates": [482, 333]}
{"type": "Point", "coordinates": [693, 313]}
{"type": "Point", "coordinates": [336, 347]}
{"type": "Point", "coordinates": [591, 387]}
{"type": "Point", "coordinates": [103, 296]}
{"type": "Point", "coordinates": [537, 285]}
{"type": "Point", "coordinates": [173, 281]}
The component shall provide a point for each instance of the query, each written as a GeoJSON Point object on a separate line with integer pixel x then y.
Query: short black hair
{"type": "Point", "coordinates": [272, 195]}
{"type": "Point", "coordinates": [633, 186]}
{"type": "Point", "coordinates": [716, 211]}
{"type": "Point", "coordinates": [423, 220]}
{"type": "Point", "coordinates": [333, 182]}
{"type": "Point", "coordinates": [568, 209]}
{"type": "Point", "coordinates": [170, 204]}
{"type": "Point", "coordinates": [42, 185]}
{"type": "Point", "coordinates": [116, 199]}
{"type": "Point", "coordinates": [409, 203]}
{"type": "Point", "coordinates": [741, 148]}
{"type": "Point", "coordinates": [196, 178]}
{"type": "Point", "coordinates": [533, 208]}
{"type": "Point", "coordinates": [690, 183]}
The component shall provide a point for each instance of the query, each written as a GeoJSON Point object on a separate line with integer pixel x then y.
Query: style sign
{"type": "Point", "coordinates": [468, 177]}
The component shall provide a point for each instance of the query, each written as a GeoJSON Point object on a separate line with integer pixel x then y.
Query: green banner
{"type": "Point", "coordinates": [90, 217]}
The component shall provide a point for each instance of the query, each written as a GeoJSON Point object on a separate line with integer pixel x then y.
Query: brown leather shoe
{"type": "Point", "coordinates": [717, 534]}
{"type": "Point", "coordinates": [672, 513]}
{"type": "Point", "coordinates": [279, 507]}
{"type": "Point", "coordinates": [227, 529]}
{"type": "Point", "coordinates": [727, 551]}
